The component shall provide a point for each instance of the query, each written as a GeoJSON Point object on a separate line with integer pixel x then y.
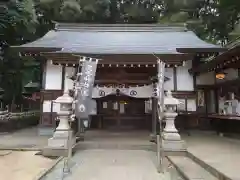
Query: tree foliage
{"type": "Point", "coordinates": [212, 20]}
{"type": "Point", "coordinates": [18, 22]}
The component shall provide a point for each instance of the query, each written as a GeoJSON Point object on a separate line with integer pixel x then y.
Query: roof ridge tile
{"type": "Point", "coordinates": [118, 27]}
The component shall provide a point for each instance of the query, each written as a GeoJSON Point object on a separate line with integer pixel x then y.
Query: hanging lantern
{"type": "Point", "coordinates": [220, 75]}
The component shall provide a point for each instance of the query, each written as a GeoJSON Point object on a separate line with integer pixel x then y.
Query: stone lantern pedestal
{"type": "Point", "coordinates": [171, 139]}
{"type": "Point", "coordinates": [58, 144]}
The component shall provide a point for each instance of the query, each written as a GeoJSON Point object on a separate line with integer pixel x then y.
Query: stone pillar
{"type": "Point", "coordinates": [81, 129]}
{"type": "Point", "coordinates": [171, 139]}
{"type": "Point", "coordinates": [154, 120]}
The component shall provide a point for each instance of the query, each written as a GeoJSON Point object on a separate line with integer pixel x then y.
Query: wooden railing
{"type": "Point", "coordinates": [6, 116]}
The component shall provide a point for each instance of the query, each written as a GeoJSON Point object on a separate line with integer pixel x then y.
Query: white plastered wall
{"type": "Point", "coordinates": [169, 85]}
{"type": "Point", "coordinates": [184, 78]}
{"type": "Point", "coordinates": [185, 83]}
{"type": "Point", "coordinates": [53, 81]}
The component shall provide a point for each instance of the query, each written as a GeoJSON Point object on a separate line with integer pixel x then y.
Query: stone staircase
{"type": "Point", "coordinates": [186, 164]}
{"type": "Point", "coordinates": [191, 167]}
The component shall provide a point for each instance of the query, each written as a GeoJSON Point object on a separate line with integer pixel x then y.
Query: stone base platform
{"type": "Point", "coordinates": [56, 152]}
{"type": "Point", "coordinates": [174, 146]}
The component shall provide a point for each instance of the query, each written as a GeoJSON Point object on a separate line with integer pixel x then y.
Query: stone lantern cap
{"type": "Point", "coordinates": [64, 99]}
{"type": "Point", "coordinates": [170, 100]}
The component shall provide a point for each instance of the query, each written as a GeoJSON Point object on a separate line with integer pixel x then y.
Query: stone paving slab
{"type": "Point", "coordinates": [190, 169]}
{"type": "Point", "coordinates": [221, 153]}
{"type": "Point", "coordinates": [111, 164]}
{"type": "Point", "coordinates": [23, 139]}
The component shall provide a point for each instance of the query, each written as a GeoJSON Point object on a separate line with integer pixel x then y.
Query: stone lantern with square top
{"type": "Point", "coordinates": [171, 139]}
{"type": "Point", "coordinates": [60, 138]}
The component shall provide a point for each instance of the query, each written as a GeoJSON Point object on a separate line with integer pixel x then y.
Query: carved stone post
{"type": "Point", "coordinates": [171, 138]}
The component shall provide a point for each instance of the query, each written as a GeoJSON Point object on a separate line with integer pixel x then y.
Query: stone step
{"type": "Point", "coordinates": [189, 169]}
{"type": "Point", "coordinates": [119, 146]}
{"type": "Point", "coordinates": [209, 168]}
{"type": "Point", "coordinates": [84, 145]}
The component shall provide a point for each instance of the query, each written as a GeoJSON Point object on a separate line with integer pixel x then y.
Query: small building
{"type": "Point", "coordinates": [218, 86]}
{"type": "Point", "coordinates": [123, 96]}
{"type": "Point", "coordinates": [31, 96]}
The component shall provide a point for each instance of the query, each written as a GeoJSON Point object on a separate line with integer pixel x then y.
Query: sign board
{"type": "Point", "coordinates": [85, 88]}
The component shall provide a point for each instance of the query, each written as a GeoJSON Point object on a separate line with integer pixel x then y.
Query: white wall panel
{"type": "Point", "coordinates": [53, 76]}
{"type": "Point", "coordinates": [47, 106]}
{"type": "Point", "coordinates": [169, 85]}
{"type": "Point", "coordinates": [191, 105]}
{"type": "Point", "coordinates": [69, 71]}
{"type": "Point", "coordinates": [184, 79]}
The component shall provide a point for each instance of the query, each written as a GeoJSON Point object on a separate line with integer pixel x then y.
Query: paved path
{"type": "Point", "coordinates": [219, 152]}
{"type": "Point", "coordinates": [25, 138]}
{"type": "Point", "coordinates": [111, 164]}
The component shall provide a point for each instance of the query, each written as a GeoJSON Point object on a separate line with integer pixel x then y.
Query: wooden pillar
{"type": "Point", "coordinates": [63, 77]}
{"type": "Point", "coordinates": [175, 79]}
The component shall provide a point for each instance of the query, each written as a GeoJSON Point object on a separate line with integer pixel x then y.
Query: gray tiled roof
{"type": "Point", "coordinates": [119, 39]}
{"type": "Point", "coordinates": [32, 85]}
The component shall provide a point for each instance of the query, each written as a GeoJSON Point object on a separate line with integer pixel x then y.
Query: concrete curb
{"type": "Point", "coordinates": [19, 149]}
{"type": "Point", "coordinates": [208, 167]}
{"type": "Point", "coordinates": [46, 171]}
{"type": "Point", "coordinates": [180, 172]}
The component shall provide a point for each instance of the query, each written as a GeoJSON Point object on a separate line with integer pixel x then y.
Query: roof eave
{"type": "Point", "coordinates": [60, 53]}
{"type": "Point", "coordinates": [201, 50]}
{"type": "Point", "coordinates": [216, 60]}
{"type": "Point", "coordinates": [35, 49]}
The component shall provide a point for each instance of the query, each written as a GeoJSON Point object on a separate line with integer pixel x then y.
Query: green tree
{"type": "Point", "coordinates": [17, 26]}
{"type": "Point", "coordinates": [212, 20]}
{"type": "Point", "coordinates": [101, 11]}
{"type": "Point", "coordinates": [140, 11]}
{"type": "Point", "coordinates": [94, 11]}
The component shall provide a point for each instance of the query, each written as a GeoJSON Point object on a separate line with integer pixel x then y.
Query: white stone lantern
{"type": "Point", "coordinates": [171, 138]}
{"type": "Point", "coordinates": [65, 110]}
{"type": "Point", "coordinates": [61, 135]}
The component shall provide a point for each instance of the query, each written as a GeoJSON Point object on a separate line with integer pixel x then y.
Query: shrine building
{"type": "Point", "coordinates": [124, 91]}
{"type": "Point", "coordinates": [218, 86]}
